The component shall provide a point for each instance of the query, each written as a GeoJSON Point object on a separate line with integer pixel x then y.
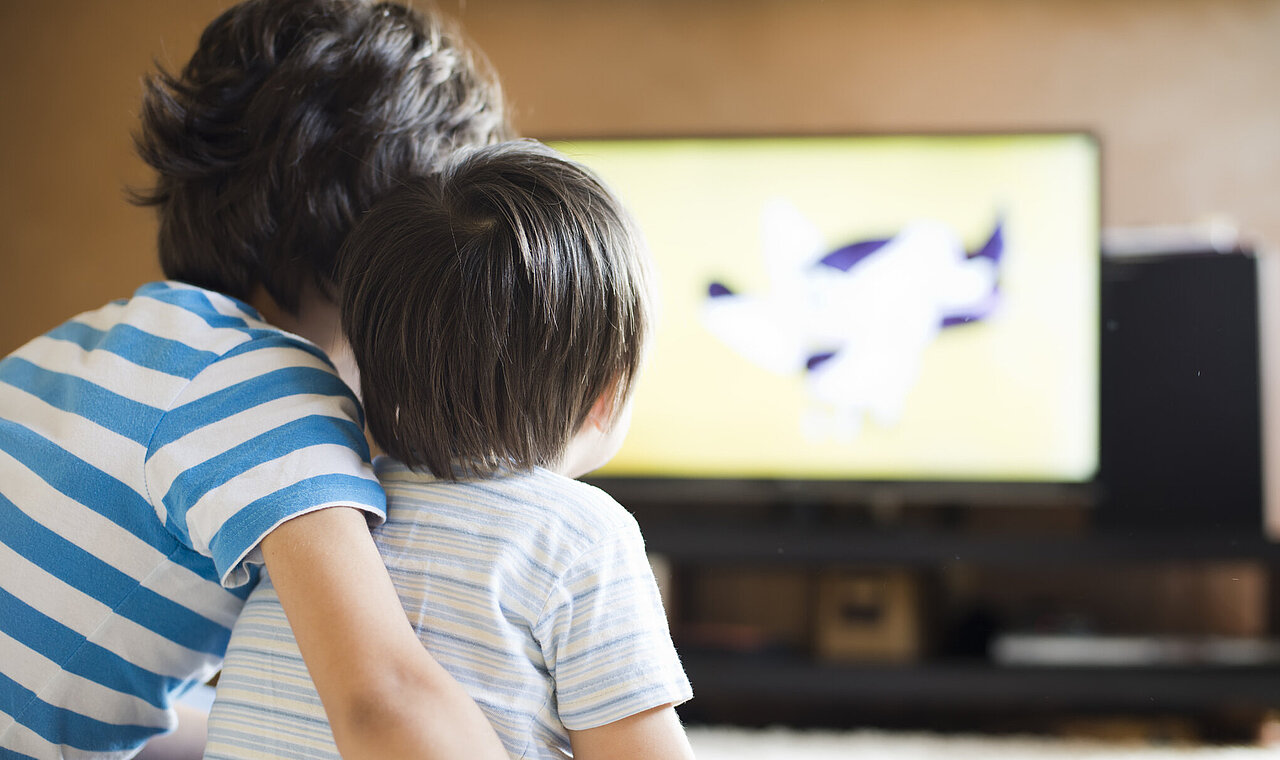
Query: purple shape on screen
{"type": "Point", "coordinates": [992, 250]}
{"type": "Point", "coordinates": [716, 290]}
{"type": "Point", "coordinates": [994, 247]}
{"type": "Point", "coordinates": [974, 313]}
{"type": "Point", "coordinates": [845, 258]}
{"type": "Point", "coordinates": [817, 360]}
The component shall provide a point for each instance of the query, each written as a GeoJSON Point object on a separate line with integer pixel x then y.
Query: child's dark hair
{"type": "Point", "coordinates": [490, 306]}
{"type": "Point", "coordinates": [290, 120]}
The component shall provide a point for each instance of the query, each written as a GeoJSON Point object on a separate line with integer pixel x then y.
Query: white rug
{"type": "Point", "coordinates": [782, 744]}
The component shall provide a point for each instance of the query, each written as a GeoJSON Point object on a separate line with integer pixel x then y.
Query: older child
{"type": "Point", "coordinates": [155, 452]}
{"type": "Point", "coordinates": [498, 314]}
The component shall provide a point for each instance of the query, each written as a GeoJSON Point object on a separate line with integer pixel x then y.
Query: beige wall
{"type": "Point", "coordinates": [69, 83]}
{"type": "Point", "coordinates": [1183, 94]}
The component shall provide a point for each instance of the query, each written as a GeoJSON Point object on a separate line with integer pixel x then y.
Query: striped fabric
{"type": "Point", "coordinates": [145, 448]}
{"type": "Point", "coordinates": [533, 590]}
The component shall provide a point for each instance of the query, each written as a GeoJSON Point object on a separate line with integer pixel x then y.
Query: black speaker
{"type": "Point", "coordinates": [1180, 394]}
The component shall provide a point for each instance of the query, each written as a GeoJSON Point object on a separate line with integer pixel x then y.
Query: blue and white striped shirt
{"type": "Point", "coordinates": [532, 589]}
{"type": "Point", "coordinates": [145, 449]}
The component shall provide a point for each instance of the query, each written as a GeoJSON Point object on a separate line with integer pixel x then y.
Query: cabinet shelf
{"type": "Point", "coordinates": [760, 543]}
{"type": "Point", "coordinates": [980, 685]}
{"type": "Point", "coordinates": [802, 688]}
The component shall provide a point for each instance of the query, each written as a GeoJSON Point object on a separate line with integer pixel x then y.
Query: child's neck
{"type": "Point", "coordinates": [318, 321]}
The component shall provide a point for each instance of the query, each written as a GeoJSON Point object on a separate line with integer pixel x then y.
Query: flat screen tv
{"type": "Point", "coordinates": [846, 313]}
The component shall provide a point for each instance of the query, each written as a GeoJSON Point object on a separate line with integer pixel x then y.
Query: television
{"type": "Point", "coordinates": [859, 315]}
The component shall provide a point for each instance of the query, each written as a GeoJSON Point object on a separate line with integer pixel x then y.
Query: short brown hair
{"type": "Point", "coordinates": [490, 306]}
{"type": "Point", "coordinates": [290, 120]}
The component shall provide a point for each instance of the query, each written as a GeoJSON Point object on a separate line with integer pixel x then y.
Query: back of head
{"type": "Point", "coordinates": [289, 121]}
{"type": "Point", "coordinates": [490, 306]}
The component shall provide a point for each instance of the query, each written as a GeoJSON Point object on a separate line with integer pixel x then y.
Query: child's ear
{"type": "Point", "coordinates": [602, 411]}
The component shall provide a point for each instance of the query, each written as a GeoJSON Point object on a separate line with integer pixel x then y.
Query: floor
{"type": "Point", "coordinates": [711, 743]}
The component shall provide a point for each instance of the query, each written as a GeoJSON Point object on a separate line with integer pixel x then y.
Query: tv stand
{"type": "Point", "coordinates": [954, 684]}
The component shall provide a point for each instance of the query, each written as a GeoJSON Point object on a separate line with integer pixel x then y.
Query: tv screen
{"type": "Point", "coordinates": [890, 308]}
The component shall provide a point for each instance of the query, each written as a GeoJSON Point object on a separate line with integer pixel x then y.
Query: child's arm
{"type": "Point", "coordinates": [385, 696]}
{"type": "Point", "coordinates": [651, 735]}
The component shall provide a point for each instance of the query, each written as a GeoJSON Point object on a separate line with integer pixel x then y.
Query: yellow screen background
{"type": "Point", "coordinates": [1012, 397]}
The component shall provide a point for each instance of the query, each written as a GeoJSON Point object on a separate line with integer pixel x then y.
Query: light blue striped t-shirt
{"type": "Point", "coordinates": [532, 589]}
{"type": "Point", "coordinates": [145, 449]}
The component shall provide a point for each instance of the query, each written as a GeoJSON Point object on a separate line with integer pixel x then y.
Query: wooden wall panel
{"type": "Point", "coordinates": [1182, 92]}
{"type": "Point", "coordinates": [70, 81]}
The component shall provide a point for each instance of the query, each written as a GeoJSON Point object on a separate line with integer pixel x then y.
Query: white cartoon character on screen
{"type": "Point", "coordinates": [855, 319]}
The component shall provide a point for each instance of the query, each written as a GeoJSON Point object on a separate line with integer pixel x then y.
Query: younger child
{"type": "Point", "coordinates": [498, 313]}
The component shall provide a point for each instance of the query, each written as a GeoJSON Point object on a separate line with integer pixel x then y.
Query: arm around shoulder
{"type": "Point", "coordinates": [384, 695]}
{"type": "Point", "coordinates": [651, 735]}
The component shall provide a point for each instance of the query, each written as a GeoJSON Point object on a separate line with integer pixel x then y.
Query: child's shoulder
{"type": "Point", "coordinates": [215, 309]}
{"type": "Point", "coordinates": [195, 325]}
{"type": "Point", "coordinates": [150, 346]}
{"type": "Point", "coordinates": [575, 502]}
{"type": "Point", "coordinates": [537, 503]}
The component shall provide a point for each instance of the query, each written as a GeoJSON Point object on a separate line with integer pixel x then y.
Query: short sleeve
{"type": "Point", "coordinates": [605, 638]}
{"type": "Point", "coordinates": [267, 432]}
